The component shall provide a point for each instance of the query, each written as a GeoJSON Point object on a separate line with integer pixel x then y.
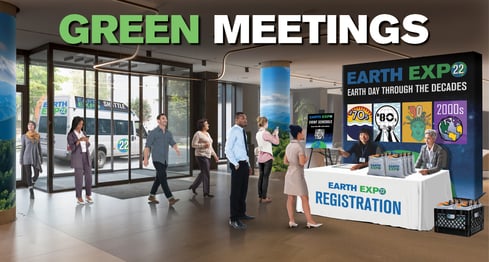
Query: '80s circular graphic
{"type": "Point", "coordinates": [387, 122]}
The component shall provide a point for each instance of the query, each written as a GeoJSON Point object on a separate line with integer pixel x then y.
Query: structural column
{"type": "Point", "coordinates": [7, 112]}
{"type": "Point", "coordinates": [203, 104]}
{"type": "Point", "coordinates": [275, 93]}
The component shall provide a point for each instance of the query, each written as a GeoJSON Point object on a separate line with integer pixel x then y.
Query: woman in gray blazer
{"type": "Point", "coordinates": [80, 159]}
{"type": "Point", "coordinates": [432, 157]}
{"type": "Point", "coordinates": [30, 155]}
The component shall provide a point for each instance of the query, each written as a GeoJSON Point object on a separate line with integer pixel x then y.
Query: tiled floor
{"type": "Point", "coordinates": [53, 228]}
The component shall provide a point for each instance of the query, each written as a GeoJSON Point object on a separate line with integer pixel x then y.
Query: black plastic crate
{"type": "Point", "coordinates": [462, 221]}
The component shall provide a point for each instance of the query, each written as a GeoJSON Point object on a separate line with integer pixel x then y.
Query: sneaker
{"type": "Point", "coordinates": [172, 201]}
{"type": "Point", "coordinates": [79, 201]}
{"type": "Point", "coordinates": [89, 200]}
{"type": "Point", "coordinates": [153, 200]}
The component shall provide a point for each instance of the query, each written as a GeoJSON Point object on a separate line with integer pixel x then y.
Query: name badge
{"type": "Point", "coordinates": [361, 159]}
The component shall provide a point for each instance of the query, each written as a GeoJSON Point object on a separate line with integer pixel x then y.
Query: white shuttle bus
{"type": "Point", "coordinates": [115, 131]}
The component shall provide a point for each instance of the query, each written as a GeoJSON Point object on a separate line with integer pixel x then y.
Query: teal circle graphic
{"type": "Point", "coordinates": [123, 145]}
{"type": "Point", "coordinates": [459, 69]}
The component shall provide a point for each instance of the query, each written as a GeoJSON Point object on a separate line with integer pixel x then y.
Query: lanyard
{"type": "Point", "coordinates": [364, 148]}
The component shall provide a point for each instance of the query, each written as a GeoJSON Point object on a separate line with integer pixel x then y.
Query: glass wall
{"type": "Point", "coordinates": [38, 79]}
{"type": "Point", "coordinates": [119, 106]}
{"type": "Point", "coordinates": [226, 98]}
{"type": "Point", "coordinates": [19, 101]}
{"type": "Point", "coordinates": [177, 97]}
{"type": "Point", "coordinates": [18, 134]}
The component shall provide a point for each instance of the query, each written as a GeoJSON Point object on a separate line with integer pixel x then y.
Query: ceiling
{"type": "Point", "coordinates": [454, 26]}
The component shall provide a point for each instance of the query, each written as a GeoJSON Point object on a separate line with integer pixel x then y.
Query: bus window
{"type": "Point", "coordinates": [59, 125]}
{"type": "Point", "coordinates": [121, 127]}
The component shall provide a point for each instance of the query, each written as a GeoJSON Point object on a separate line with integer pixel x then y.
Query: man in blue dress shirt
{"type": "Point", "coordinates": [236, 150]}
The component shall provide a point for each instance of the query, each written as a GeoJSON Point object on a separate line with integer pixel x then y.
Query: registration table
{"type": "Point", "coordinates": [338, 192]}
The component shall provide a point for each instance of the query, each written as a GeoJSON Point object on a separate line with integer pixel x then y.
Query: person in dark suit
{"type": "Point", "coordinates": [79, 145]}
{"type": "Point", "coordinates": [432, 157]}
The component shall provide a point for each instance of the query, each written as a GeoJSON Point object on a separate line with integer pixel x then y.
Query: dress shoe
{"type": "Point", "coordinates": [153, 200]}
{"type": "Point", "coordinates": [237, 225]}
{"type": "Point", "coordinates": [193, 190]}
{"type": "Point", "coordinates": [172, 201]}
{"type": "Point", "coordinates": [246, 217]}
{"type": "Point", "coordinates": [80, 201]}
{"type": "Point", "coordinates": [208, 195]}
{"type": "Point", "coordinates": [89, 200]}
{"type": "Point", "coordinates": [309, 225]}
{"type": "Point", "coordinates": [265, 200]}
{"type": "Point", "coordinates": [293, 224]}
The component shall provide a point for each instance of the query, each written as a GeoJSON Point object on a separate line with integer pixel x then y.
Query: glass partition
{"type": "Point", "coordinates": [119, 107]}
{"type": "Point", "coordinates": [177, 98]}
{"type": "Point", "coordinates": [19, 131]}
{"type": "Point", "coordinates": [19, 100]}
{"type": "Point", "coordinates": [38, 79]}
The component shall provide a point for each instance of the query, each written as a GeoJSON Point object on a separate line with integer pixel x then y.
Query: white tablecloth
{"type": "Point", "coordinates": [402, 202]}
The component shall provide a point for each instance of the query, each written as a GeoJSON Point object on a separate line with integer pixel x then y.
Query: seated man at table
{"type": "Point", "coordinates": [362, 150]}
{"type": "Point", "coordinates": [432, 157]}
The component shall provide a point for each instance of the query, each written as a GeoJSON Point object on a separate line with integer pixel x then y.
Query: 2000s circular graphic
{"type": "Point", "coordinates": [450, 128]}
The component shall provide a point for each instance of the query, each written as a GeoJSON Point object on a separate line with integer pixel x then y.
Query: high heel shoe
{"type": "Point", "coordinates": [293, 224]}
{"type": "Point", "coordinates": [309, 225]}
{"type": "Point", "coordinates": [193, 190]}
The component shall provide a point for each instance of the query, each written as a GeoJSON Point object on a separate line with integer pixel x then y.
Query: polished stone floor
{"type": "Point", "coordinates": [53, 228]}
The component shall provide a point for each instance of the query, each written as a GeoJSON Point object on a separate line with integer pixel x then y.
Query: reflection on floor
{"type": "Point", "coordinates": [53, 228]}
{"type": "Point", "coordinates": [67, 182]}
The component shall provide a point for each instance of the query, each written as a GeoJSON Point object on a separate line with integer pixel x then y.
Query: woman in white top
{"type": "Point", "coordinates": [202, 143]}
{"type": "Point", "coordinates": [265, 156]}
